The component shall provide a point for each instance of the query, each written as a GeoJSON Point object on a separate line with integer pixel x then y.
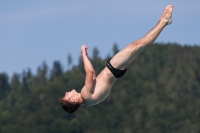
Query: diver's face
{"type": "Point", "coordinates": [71, 95]}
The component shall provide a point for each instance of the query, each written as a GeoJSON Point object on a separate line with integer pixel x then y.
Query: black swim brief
{"type": "Point", "coordinates": [116, 72]}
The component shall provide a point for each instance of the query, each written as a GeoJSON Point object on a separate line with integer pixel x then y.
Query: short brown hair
{"type": "Point", "coordinates": [69, 107]}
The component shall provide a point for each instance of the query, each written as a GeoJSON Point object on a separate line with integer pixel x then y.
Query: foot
{"type": "Point", "coordinates": [167, 15]}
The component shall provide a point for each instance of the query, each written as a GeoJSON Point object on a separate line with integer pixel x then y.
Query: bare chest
{"type": "Point", "coordinates": [104, 83]}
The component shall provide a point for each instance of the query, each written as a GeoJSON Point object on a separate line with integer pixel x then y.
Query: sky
{"type": "Point", "coordinates": [33, 32]}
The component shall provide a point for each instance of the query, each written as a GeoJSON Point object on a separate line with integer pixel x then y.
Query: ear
{"type": "Point", "coordinates": [72, 100]}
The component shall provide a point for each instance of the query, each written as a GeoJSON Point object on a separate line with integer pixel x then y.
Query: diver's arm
{"type": "Point", "coordinates": [88, 88]}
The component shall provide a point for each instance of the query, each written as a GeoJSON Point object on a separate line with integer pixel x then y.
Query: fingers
{"type": "Point", "coordinates": [85, 46]}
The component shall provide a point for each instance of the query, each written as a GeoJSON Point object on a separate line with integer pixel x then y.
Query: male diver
{"type": "Point", "coordinates": [97, 88]}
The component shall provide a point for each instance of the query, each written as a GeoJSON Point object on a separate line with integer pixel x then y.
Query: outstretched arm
{"type": "Point", "coordinates": [90, 77]}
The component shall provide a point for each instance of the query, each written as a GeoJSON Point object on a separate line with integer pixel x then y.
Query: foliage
{"type": "Point", "coordinates": [160, 93]}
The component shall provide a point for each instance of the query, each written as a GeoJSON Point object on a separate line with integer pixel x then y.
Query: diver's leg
{"type": "Point", "coordinates": [124, 57]}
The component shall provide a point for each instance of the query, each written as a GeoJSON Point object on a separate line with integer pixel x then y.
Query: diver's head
{"type": "Point", "coordinates": [71, 101]}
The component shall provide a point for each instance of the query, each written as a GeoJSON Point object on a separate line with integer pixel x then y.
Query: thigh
{"type": "Point", "coordinates": [124, 57]}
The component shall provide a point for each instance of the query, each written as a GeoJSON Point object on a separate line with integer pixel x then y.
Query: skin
{"type": "Point", "coordinates": [97, 88]}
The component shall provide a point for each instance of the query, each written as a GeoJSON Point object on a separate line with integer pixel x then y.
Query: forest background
{"type": "Point", "coordinates": [160, 93]}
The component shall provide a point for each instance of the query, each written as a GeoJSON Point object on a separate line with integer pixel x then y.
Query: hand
{"type": "Point", "coordinates": [84, 49]}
